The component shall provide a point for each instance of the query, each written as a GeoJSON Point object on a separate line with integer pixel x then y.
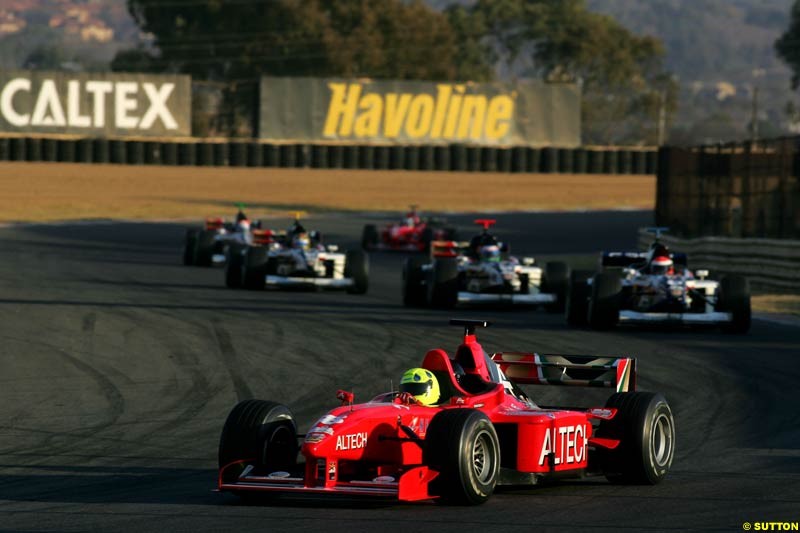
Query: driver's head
{"type": "Point", "coordinates": [410, 221]}
{"type": "Point", "coordinates": [490, 252]}
{"type": "Point", "coordinates": [243, 224]}
{"type": "Point", "coordinates": [240, 216]}
{"type": "Point", "coordinates": [301, 240]}
{"type": "Point", "coordinates": [421, 384]}
{"type": "Point", "coordinates": [661, 264]}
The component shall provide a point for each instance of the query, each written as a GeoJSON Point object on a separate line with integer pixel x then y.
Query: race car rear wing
{"type": "Point", "coordinates": [447, 248]}
{"type": "Point", "coordinates": [626, 259]}
{"type": "Point", "coordinates": [576, 370]}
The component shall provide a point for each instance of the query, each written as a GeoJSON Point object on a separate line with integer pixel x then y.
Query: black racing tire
{"type": "Point", "coordinates": [369, 237]}
{"type": "Point", "coordinates": [556, 281]}
{"type": "Point", "coordinates": [233, 265]}
{"type": "Point", "coordinates": [414, 291]}
{"type": "Point", "coordinates": [577, 310]}
{"type": "Point", "coordinates": [188, 247]}
{"type": "Point", "coordinates": [462, 445]}
{"type": "Point", "coordinates": [427, 238]}
{"type": "Point", "coordinates": [204, 247]}
{"type": "Point", "coordinates": [443, 283]}
{"type": "Point", "coordinates": [260, 432]}
{"type": "Point", "coordinates": [450, 233]}
{"type": "Point", "coordinates": [734, 298]}
{"type": "Point", "coordinates": [356, 266]}
{"type": "Point", "coordinates": [646, 430]}
{"type": "Point", "coordinates": [605, 300]}
{"type": "Point", "coordinates": [254, 268]}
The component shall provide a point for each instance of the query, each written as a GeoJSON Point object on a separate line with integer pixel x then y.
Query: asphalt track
{"type": "Point", "coordinates": [119, 367]}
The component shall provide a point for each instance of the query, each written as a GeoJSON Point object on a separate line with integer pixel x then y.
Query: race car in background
{"type": "Point", "coordinates": [654, 287]}
{"type": "Point", "coordinates": [411, 234]}
{"type": "Point", "coordinates": [208, 246]}
{"type": "Point", "coordinates": [481, 431]}
{"type": "Point", "coordinates": [296, 258]}
{"type": "Point", "coordinates": [482, 271]}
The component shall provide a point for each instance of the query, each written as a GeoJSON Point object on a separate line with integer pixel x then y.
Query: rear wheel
{"type": "Point", "coordinates": [254, 267]}
{"type": "Point", "coordinates": [188, 247]}
{"type": "Point", "coordinates": [204, 247]}
{"type": "Point", "coordinates": [369, 237]}
{"type": "Point", "coordinates": [443, 283]}
{"type": "Point", "coordinates": [261, 433]}
{"type": "Point", "coordinates": [233, 266]}
{"type": "Point", "coordinates": [605, 301]}
{"type": "Point", "coordinates": [646, 430]}
{"type": "Point", "coordinates": [356, 266]}
{"type": "Point", "coordinates": [578, 298]}
{"type": "Point", "coordinates": [734, 298]}
{"type": "Point", "coordinates": [556, 281]}
{"type": "Point", "coordinates": [414, 292]}
{"type": "Point", "coordinates": [462, 445]}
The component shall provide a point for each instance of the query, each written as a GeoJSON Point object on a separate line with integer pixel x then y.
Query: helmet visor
{"type": "Point", "coordinates": [415, 389]}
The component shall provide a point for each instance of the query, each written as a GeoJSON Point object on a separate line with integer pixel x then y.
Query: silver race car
{"type": "Point", "coordinates": [295, 259]}
{"type": "Point", "coordinates": [657, 287]}
{"type": "Point", "coordinates": [209, 246]}
{"type": "Point", "coordinates": [482, 271]}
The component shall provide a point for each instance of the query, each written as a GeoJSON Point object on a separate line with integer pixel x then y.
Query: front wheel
{"type": "Point", "coordinates": [605, 301]}
{"type": "Point", "coordinates": [734, 298]}
{"type": "Point", "coordinates": [188, 247]}
{"type": "Point", "coordinates": [556, 281]}
{"type": "Point", "coordinates": [414, 292]}
{"type": "Point", "coordinates": [356, 267]}
{"type": "Point", "coordinates": [443, 283]}
{"type": "Point", "coordinates": [254, 268]}
{"type": "Point", "coordinates": [369, 237]}
{"type": "Point", "coordinates": [578, 298]}
{"type": "Point", "coordinates": [233, 266]}
{"type": "Point", "coordinates": [462, 445]}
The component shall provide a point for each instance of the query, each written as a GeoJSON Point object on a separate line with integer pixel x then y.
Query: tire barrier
{"type": "Point", "coordinates": [625, 162]}
{"type": "Point", "coordinates": [85, 152]}
{"type": "Point", "coordinates": [169, 153]}
{"type": "Point", "coordinates": [550, 160]}
{"type": "Point", "coordinates": [367, 157]}
{"type": "Point", "coordinates": [411, 158]}
{"type": "Point", "coordinates": [488, 159]}
{"type": "Point", "coordinates": [272, 155]}
{"type": "Point", "coordinates": [49, 150]}
{"type": "Point", "coordinates": [135, 152]}
{"type": "Point", "coordinates": [239, 153]}
{"type": "Point", "coordinates": [441, 158]}
{"type": "Point", "coordinates": [221, 155]}
{"type": "Point", "coordinates": [187, 154]}
{"type": "Point", "coordinates": [336, 156]}
{"type": "Point", "coordinates": [427, 159]}
{"type": "Point", "coordinates": [33, 149]}
{"type": "Point", "coordinates": [152, 152]}
{"type": "Point", "coordinates": [351, 156]}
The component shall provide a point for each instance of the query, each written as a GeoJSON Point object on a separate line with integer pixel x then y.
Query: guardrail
{"type": "Point", "coordinates": [767, 263]}
{"type": "Point", "coordinates": [455, 157]}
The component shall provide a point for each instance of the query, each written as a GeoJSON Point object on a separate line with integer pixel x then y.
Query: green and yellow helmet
{"type": "Point", "coordinates": [421, 384]}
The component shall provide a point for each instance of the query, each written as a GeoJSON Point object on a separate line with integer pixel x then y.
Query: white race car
{"type": "Point", "coordinates": [482, 272]}
{"type": "Point", "coordinates": [657, 287]}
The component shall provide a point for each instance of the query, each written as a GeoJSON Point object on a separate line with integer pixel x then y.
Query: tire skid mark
{"type": "Point", "coordinates": [226, 349]}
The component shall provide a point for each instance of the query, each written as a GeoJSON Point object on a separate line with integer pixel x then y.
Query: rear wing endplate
{"type": "Point", "coordinates": [447, 248]}
{"type": "Point", "coordinates": [618, 373]}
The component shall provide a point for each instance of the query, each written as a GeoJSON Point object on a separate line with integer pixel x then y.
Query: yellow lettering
{"type": "Point", "coordinates": [396, 110]}
{"type": "Point", "coordinates": [341, 108]}
{"type": "Point", "coordinates": [368, 123]}
{"type": "Point", "coordinates": [453, 112]}
{"type": "Point", "coordinates": [442, 96]}
{"type": "Point", "coordinates": [419, 116]}
{"type": "Point", "coordinates": [501, 109]}
{"type": "Point", "coordinates": [472, 114]}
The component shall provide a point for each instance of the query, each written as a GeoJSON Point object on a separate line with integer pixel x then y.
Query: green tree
{"type": "Point", "coordinates": [788, 44]}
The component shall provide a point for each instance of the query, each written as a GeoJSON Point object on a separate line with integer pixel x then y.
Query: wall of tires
{"type": "Point", "coordinates": [455, 157]}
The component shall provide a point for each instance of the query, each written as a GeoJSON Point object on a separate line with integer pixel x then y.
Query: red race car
{"type": "Point", "coordinates": [411, 234]}
{"type": "Point", "coordinates": [455, 430]}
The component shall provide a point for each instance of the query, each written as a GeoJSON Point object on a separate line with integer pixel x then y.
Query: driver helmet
{"type": "Point", "coordinates": [421, 384]}
{"type": "Point", "coordinates": [661, 265]}
{"type": "Point", "coordinates": [240, 216]}
{"type": "Point", "coordinates": [301, 241]}
{"type": "Point", "coordinates": [490, 252]}
{"type": "Point", "coordinates": [243, 225]}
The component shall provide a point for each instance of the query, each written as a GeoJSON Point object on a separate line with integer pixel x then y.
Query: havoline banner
{"type": "Point", "coordinates": [95, 103]}
{"type": "Point", "coordinates": [406, 112]}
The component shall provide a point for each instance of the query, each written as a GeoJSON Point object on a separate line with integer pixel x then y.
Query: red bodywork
{"type": "Point", "coordinates": [407, 238]}
{"type": "Point", "coordinates": [376, 448]}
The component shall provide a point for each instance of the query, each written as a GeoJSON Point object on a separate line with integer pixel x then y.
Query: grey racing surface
{"type": "Point", "coordinates": [119, 366]}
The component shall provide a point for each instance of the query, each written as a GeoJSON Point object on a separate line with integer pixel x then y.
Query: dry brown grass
{"type": "Point", "coordinates": [53, 191]}
{"type": "Point", "coordinates": [786, 304]}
